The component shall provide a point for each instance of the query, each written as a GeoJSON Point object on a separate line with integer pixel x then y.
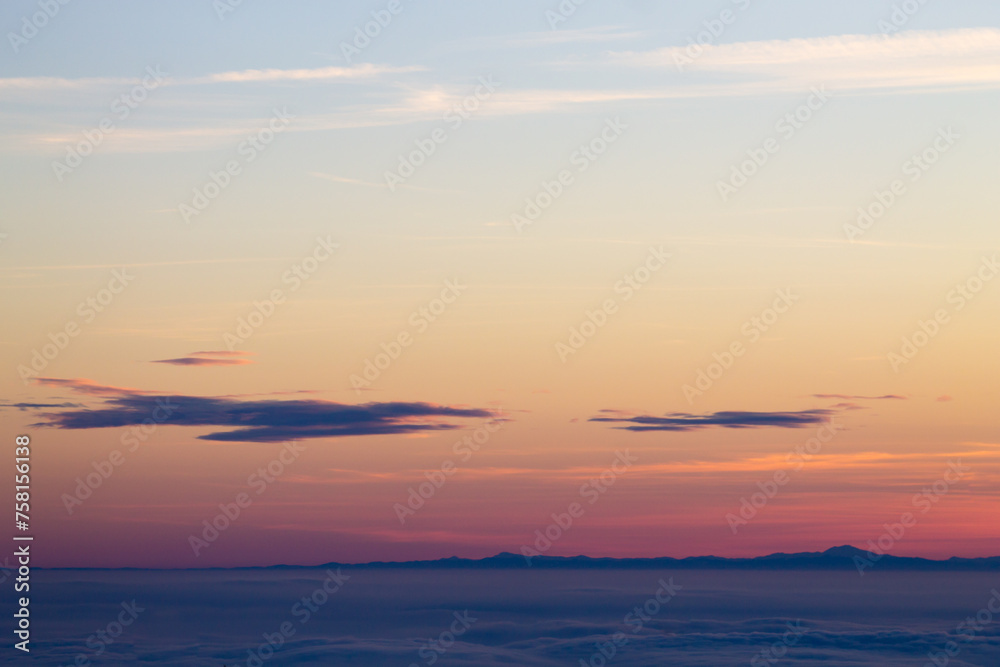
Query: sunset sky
{"type": "Point", "coordinates": [574, 228]}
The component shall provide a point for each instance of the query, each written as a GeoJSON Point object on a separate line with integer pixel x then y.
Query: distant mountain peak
{"type": "Point", "coordinates": [846, 551]}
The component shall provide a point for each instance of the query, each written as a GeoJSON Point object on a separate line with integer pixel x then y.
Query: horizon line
{"type": "Point", "coordinates": [804, 555]}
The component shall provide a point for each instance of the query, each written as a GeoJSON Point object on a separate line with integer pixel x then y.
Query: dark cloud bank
{"type": "Point", "coordinates": [255, 420]}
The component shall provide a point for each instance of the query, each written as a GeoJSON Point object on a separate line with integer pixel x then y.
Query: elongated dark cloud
{"type": "Point", "coordinates": [85, 386]}
{"type": "Point", "coordinates": [38, 406]}
{"type": "Point", "coordinates": [264, 420]}
{"type": "Point", "coordinates": [849, 397]}
{"type": "Point", "coordinates": [209, 358]}
{"type": "Point", "coordinates": [682, 421]}
{"type": "Point", "coordinates": [201, 361]}
{"type": "Point", "coordinates": [847, 405]}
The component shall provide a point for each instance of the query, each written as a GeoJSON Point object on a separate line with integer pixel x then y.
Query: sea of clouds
{"type": "Point", "coordinates": [418, 617]}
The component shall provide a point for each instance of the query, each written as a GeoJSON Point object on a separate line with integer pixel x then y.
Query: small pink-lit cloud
{"type": "Point", "coordinates": [614, 412]}
{"type": "Point", "coordinates": [221, 353]}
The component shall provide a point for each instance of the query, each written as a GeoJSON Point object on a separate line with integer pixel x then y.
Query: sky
{"type": "Point", "coordinates": [603, 271]}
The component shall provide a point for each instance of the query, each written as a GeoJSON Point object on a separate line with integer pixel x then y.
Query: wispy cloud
{"type": "Point", "coordinates": [908, 62]}
{"type": "Point", "coordinates": [363, 71]}
{"type": "Point", "coordinates": [348, 181]}
{"type": "Point", "coordinates": [179, 262]}
{"type": "Point", "coordinates": [36, 83]}
{"type": "Point", "coordinates": [378, 106]}
{"type": "Point", "coordinates": [369, 184]}
{"type": "Point", "coordinates": [946, 60]}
